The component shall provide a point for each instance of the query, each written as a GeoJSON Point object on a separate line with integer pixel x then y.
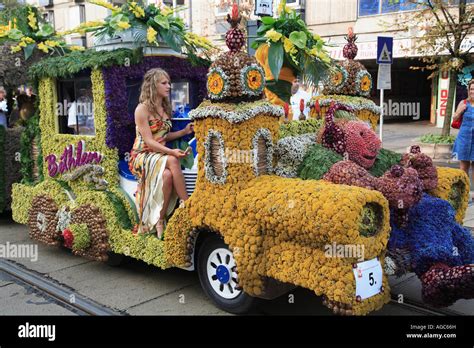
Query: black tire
{"type": "Point", "coordinates": [242, 303]}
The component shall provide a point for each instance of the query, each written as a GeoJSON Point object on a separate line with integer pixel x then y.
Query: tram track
{"type": "Point", "coordinates": [59, 293]}
{"type": "Point", "coordinates": [422, 308]}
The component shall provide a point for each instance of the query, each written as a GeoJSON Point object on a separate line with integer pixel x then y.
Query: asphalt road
{"type": "Point", "coordinates": [133, 288]}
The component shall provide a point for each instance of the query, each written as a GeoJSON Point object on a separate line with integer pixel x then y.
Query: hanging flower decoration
{"type": "Point", "coordinates": [152, 25]}
{"type": "Point", "coordinates": [363, 82]}
{"type": "Point", "coordinates": [292, 45]}
{"type": "Point", "coordinates": [217, 83]}
{"type": "Point", "coordinates": [29, 31]}
{"type": "Point", "coordinates": [252, 79]}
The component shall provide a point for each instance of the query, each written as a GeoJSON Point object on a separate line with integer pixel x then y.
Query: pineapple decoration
{"type": "Point", "coordinates": [235, 76]}
{"type": "Point", "coordinates": [350, 77]}
{"type": "Point", "coordinates": [350, 48]}
{"type": "Point", "coordinates": [234, 38]}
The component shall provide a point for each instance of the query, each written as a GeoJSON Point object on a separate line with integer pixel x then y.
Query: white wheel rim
{"type": "Point", "coordinates": [221, 273]}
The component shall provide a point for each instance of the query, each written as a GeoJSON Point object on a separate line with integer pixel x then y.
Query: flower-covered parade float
{"type": "Point", "coordinates": [427, 204]}
{"type": "Point", "coordinates": [248, 233]}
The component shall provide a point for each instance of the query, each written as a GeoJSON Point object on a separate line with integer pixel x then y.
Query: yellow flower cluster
{"type": "Point", "coordinates": [165, 10]}
{"type": "Point", "coordinates": [449, 179]}
{"type": "Point", "coordinates": [43, 47]}
{"type": "Point", "coordinates": [151, 35]}
{"type": "Point", "coordinates": [283, 8]}
{"type": "Point", "coordinates": [137, 11]}
{"type": "Point", "coordinates": [32, 22]}
{"type": "Point", "coordinates": [24, 41]}
{"type": "Point", "coordinates": [105, 4]}
{"type": "Point", "coordinates": [123, 25]}
{"type": "Point", "coordinates": [254, 80]}
{"type": "Point", "coordinates": [4, 30]}
{"type": "Point", "coordinates": [273, 35]}
{"type": "Point", "coordinates": [321, 54]}
{"type": "Point", "coordinates": [76, 48]}
{"type": "Point", "coordinates": [82, 28]}
{"type": "Point", "coordinates": [290, 49]}
{"type": "Point", "coordinates": [199, 41]}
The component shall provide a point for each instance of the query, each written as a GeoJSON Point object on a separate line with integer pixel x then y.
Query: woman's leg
{"type": "Point", "coordinates": [464, 165]}
{"type": "Point", "coordinates": [178, 178]}
{"type": "Point", "coordinates": [167, 189]}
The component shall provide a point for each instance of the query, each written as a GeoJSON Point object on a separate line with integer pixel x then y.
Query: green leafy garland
{"type": "Point", "coordinates": [32, 131]}
{"type": "Point", "coordinates": [76, 61]}
{"type": "Point", "coordinates": [293, 128]}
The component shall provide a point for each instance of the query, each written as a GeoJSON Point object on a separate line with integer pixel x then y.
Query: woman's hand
{"type": "Point", "coordinates": [460, 110]}
{"type": "Point", "coordinates": [177, 153]}
{"type": "Point", "coordinates": [189, 129]}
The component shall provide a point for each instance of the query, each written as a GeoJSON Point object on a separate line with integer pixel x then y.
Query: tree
{"type": "Point", "coordinates": [444, 25]}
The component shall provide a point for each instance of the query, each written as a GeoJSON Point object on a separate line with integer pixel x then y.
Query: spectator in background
{"type": "Point", "coordinates": [299, 93]}
{"type": "Point", "coordinates": [3, 107]}
{"type": "Point", "coordinates": [26, 105]}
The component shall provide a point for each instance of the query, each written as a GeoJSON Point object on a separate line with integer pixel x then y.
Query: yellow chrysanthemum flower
{"type": "Point", "coordinates": [51, 43]}
{"type": "Point", "coordinates": [105, 4]}
{"type": "Point", "coordinates": [15, 49]}
{"type": "Point", "coordinates": [166, 11]}
{"type": "Point", "coordinates": [27, 40]}
{"type": "Point", "coordinates": [273, 35]}
{"type": "Point", "coordinates": [76, 48]}
{"type": "Point", "coordinates": [136, 10]}
{"type": "Point", "coordinates": [43, 47]}
{"type": "Point", "coordinates": [151, 35]}
{"type": "Point", "coordinates": [32, 20]}
{"type": "Point", "coordinates": [282, 8]}
{"type": "Point", "coordinates": [123, 25]}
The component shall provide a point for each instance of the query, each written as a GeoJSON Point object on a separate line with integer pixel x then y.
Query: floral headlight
{"type": "Point", "coordinates": [363, 82]}
{"type": "Point", "coordinates": [217, 83]}
{"type": "Point", "coordinates": [338, 79]}
{"type": "Point", "coordinates": [370, 223]}
{"type": "Point", "coordinates": [253, 80]}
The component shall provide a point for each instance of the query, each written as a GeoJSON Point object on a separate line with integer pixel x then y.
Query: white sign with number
{"type": "Point", "coordinates": [368, 277]}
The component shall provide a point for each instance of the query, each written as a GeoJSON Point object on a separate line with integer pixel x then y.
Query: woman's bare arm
{"type": "Point", "coordinates": [459, 111]}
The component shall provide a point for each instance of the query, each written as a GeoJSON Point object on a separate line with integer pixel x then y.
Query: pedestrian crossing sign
{"type": "Point", "coordinates": [384, 50]}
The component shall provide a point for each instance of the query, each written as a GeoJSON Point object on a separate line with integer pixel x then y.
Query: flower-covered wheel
{"type": "Point", "coordinates": [218, 276]}
{"type": "Point", "coordinates": [43, 220]}
{"type": "Point", "coordinates": [88, 227]}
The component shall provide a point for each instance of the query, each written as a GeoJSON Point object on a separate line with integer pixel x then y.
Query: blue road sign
{"type": "Point", "coordinates": [384, 50]}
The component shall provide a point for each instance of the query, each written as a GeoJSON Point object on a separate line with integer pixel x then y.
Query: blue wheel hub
{"type": "Point", "coordinates": [223, 274]}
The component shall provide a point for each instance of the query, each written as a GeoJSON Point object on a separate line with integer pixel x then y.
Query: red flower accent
{"type": "Point", "coordinates": [68, 238]}
{"type": "Point", "coordinates": [317, 107]}
{"type": "Point", "coordinates": [302, 105]}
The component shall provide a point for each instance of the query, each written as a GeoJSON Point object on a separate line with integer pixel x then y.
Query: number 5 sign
{"type": "Point", "coordinates": [368, 277]}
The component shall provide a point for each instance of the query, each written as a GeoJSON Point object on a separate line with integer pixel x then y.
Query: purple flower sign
{"type": "Point", "coordinates": [71, 159]}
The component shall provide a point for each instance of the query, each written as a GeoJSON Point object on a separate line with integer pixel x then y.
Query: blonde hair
{"type": "Point", "coordinates": [148, 91]}
{"type": "Point", "coordinates": [2, 90]}
{"type": "Point", "coordinates": [470, 83]}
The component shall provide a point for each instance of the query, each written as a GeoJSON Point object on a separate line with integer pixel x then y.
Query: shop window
{"type": "Point", "coordinates": [75, 108]}
{"type": "Point", "coordinates": [368, 7]}
{"type": "Point", "coordinates": [215, 160]}
{"type": "Point", "coordinates": [262, 152]}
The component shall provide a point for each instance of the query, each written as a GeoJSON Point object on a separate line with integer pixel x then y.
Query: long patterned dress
{"type": "Point", "coordinates": [148, 166]}
{"type": "Point", "coordinates": [463, 149]}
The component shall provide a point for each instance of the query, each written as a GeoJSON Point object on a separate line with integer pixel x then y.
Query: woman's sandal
{"type": "Point", "coordinates": [160, 227]}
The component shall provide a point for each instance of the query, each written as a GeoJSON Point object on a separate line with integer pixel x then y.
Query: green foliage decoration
{"type": "Point", "coordinates": [75, 62]}
{"type": "Point", "coordinates": [82, 238]}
